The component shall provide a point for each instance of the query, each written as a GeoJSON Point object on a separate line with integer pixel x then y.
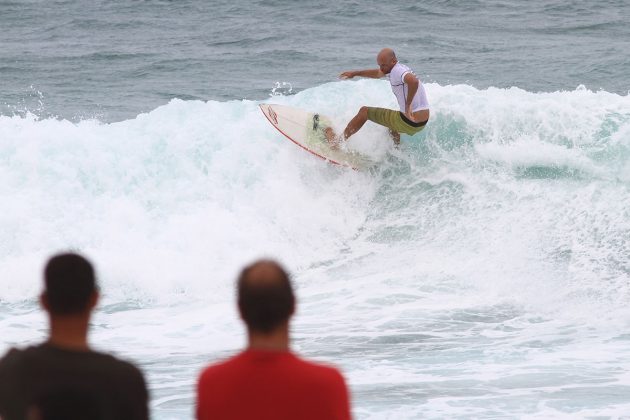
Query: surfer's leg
{"type": "Point", "coordinates": [331, 137]}
{"type": "Point", "coordinates": [395, 136]}
{"type": "Point", "coordinates": [387, 118]}
{"type": "Point", "coordinates": [356, 123]}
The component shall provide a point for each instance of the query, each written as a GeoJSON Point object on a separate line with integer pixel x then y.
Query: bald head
{"type": "Point", "coordinates": [265, 296]}
{"type": "Point", "coordinates": [386, 54]}
{"type": "Point", "coordinates": [386, 60]}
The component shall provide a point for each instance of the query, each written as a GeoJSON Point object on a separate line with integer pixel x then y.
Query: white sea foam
{"type": "Point", "coordinates": [481, 270]}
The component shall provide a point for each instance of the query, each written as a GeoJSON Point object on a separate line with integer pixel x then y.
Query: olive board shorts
{"type": "Point", "coordinates": [394, 120]}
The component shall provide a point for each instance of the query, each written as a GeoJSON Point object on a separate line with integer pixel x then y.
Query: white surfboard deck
{"type": "Point", "coordinates": [306, 129]}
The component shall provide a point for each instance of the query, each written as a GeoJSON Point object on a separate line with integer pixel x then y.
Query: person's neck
{"type": "Point", "coordinates": [276, 340]}
{"type": "Point", "coordinates": [69, 332]}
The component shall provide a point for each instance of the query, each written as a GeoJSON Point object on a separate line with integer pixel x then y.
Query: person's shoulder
{"type": "Point", "coordinates": [116, 370]}
{"type": "Point", "coordinates": [14, 357]}
{"type": "Point", "coordinates": [10, 355]}
{"type": "Point", "coordinates": [19, 352]}
{"type": "Point", "coordinates": [10, 360]}
{"type": "Point", "coordinates": [402, 68]}
{"type": "Point", "coordinates": [99, 363]}
{"type": "Point", "coordinates": [16, 363]}
{"type": "Point", "coordinates": [220, 368]}
{"type": "Point", "coordinates": [397, 71]}
{"type": "Point", "coordinates": [118, 365]}
{"type": "Point", "coordinates": [318, 370]}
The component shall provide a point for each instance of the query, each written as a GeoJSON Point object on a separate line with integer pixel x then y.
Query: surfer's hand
{"type": "Point", "coordinates": [409, 115]}
{"type": "Point", "coordinates": [346, 75]}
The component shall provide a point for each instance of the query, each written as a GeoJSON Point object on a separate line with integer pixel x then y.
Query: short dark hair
{"type": "Point", "coordinates": [70, 282]}
{"type": "Point", "coordinates": [265, 296]}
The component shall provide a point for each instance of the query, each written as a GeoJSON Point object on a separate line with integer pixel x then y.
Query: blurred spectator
{"type": "Point", "coordinates": [266, 380]}
{"type": "Point", "coordinates": [63, 378]}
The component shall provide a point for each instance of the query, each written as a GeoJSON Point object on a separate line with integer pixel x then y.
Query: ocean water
{"type": "Point", "coordinates": [481, 270]}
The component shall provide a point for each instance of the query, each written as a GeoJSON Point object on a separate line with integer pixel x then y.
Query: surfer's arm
{"type": "Point", "coordinates": [370, 73]}
{"type": "Point", "coordinates": [412, 85]}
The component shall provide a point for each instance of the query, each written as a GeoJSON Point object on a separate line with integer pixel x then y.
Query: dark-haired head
{"type": "Point", "coordinates": [265, 296]}
{"type": "Point", "coordinates": [70, 284]}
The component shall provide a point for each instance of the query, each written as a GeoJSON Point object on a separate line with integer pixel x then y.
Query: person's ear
{"type": "Point", "coordinates": [240, 312]}
{"type": "Point", "coordinates": [94, 298]}
{"type": "Point", "coordinates": [43, 301]}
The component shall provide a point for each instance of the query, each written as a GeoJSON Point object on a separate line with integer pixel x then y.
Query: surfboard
{"type": "Point", "coordinates": [306, 129]}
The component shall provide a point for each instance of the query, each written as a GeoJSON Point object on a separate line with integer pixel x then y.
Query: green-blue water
{"type": "Point", "coordinates": [479, 271]}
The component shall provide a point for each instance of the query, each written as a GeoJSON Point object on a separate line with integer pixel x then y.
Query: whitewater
{"type": "Point", "coordinates": [480, 270]}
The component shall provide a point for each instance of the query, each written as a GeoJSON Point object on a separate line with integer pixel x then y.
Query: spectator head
{"type": "Point", "coordinates": [265, 296]}
{"type": "Point", "coordinates": [70, 286]}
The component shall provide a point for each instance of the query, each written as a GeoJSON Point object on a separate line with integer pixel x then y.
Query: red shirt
{"type": "Point", "coordinates": [274, 385]}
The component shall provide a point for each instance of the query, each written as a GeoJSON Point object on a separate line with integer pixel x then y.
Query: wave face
{"type": "Point", "coordinates": [481, 269]}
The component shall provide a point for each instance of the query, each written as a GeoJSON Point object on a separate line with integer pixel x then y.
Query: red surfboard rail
{"type": "Point", "coordinates": [272, 118]}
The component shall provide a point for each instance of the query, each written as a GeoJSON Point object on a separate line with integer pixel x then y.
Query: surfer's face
{"type": "Point", "coordinates": [386, 64]}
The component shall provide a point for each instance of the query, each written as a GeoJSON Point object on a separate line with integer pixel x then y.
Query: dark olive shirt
{"type": "Point", "coordinates": [57, 383]}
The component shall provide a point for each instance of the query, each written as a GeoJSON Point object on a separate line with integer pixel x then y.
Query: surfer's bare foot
{"type": "Point", "coordinates": [332, 138]}
{"type": "Point", "coordinates": [395, 136]}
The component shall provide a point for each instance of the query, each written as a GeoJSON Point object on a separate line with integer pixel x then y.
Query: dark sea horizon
{"type": "Point", "coordinates": [115, 59]}
{"type": "Point", "coordinates": [480, 270]}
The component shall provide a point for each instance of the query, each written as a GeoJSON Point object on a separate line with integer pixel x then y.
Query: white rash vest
{"type": "Point", "coordinates": [400, 89]}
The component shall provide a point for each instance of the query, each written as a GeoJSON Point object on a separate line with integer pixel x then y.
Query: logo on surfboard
{"type": "Point", "coordinates": [273, 116]}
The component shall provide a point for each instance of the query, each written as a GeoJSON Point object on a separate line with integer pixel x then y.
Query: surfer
{"type": "Point", "coordinates": [409, 91]}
